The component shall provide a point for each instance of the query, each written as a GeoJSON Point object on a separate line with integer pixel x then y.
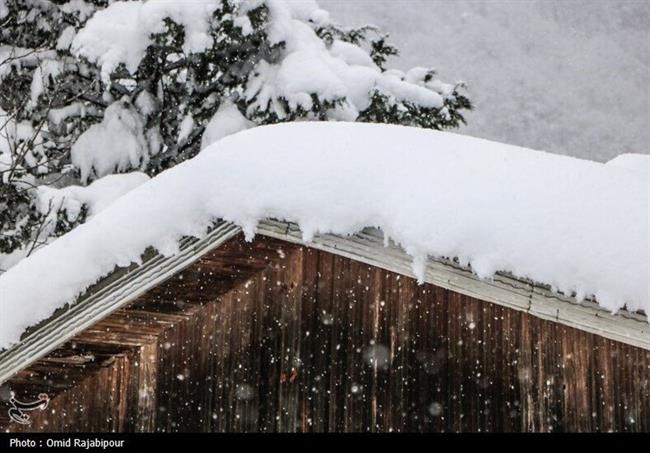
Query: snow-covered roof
{"type": "Point", "coordinates": [579, 226]}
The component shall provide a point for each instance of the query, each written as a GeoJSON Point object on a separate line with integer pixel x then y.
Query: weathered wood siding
{"type": "Point", "coordinates": [270, 336]}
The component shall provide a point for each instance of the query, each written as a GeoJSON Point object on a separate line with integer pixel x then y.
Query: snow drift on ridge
{"type": "Point", "coordinates": [577, 225]}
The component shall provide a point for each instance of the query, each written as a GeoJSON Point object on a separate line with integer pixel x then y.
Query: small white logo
{"type": "Point", "coordinates": [18, 408]}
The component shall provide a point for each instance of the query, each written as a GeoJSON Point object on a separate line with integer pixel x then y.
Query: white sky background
{"type": "Point", "coordinates": [567, 76]}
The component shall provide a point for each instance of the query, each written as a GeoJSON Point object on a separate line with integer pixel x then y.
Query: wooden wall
{"type": "Point", "coordinates": [270, 336]}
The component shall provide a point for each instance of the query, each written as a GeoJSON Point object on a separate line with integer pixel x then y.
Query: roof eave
{"type": "Point", "coordinates": [125, 285]}
{"type": "Point", "coordinates": [518, 294]}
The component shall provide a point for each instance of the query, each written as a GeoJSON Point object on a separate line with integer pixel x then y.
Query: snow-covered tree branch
{"type": "Point", "coordinates": [93, 88]}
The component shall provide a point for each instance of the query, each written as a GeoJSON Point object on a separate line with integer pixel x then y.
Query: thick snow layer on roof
{"type": "Point", "coordinates": [577, 225]}
{"type": "Point", "coordinates": [639, 163]}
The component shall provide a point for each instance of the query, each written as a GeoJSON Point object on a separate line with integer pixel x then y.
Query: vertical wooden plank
{"type": "Point", "coordinates": [323, 348]}
{"type": "Point", "coordinates": [525, 379]}
{"type": "Point", "coordinates": [269, 336]}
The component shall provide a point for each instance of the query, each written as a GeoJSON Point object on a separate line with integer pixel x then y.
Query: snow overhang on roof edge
{"type": "Point", "coordinates": [125, 285]}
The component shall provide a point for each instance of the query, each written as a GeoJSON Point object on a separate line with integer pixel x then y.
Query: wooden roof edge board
{"type": "Point", "coordinates": [107, 296]}
{"type": "Point", "coordinates": [122, 287]}
{"type": "Point", "coordinates": [504, 290]}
